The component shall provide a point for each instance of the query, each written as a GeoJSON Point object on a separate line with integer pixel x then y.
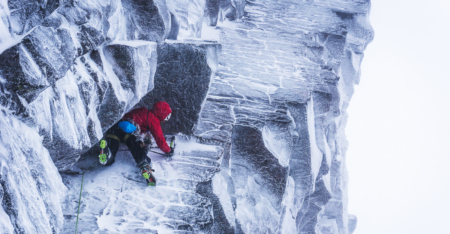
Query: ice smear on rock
{"type": "Point", "coordinates": [278, 145]}
{"type": "Point", "coordinates": [31, 187]}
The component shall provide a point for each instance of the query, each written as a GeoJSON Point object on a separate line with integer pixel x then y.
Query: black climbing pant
{"type": "Point", "coordinates": [112, 137]}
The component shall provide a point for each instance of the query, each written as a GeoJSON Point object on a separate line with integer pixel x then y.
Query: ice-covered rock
{"type": "Point", "coordinates": [31, 187]}
{"type": "Point", "coordinates": [259, 182]}
{"type": "Point", "coordinates": [147, 19]}
{"type": "Point", "coordinates": [70, 116]}
{"type": "Point", "coordinates": [43, 57]}
{"type": "Point", "coordinates": [290, 84]}
{"type": "Point", "coordinates": [94, 94]}
{"type": "Point", "coordinates": [269, 111]}
{"type": "Point", "coordinates": [26, 14]}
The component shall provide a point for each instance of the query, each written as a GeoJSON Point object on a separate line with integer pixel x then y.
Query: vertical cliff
{"type": "Point", "coordinates": [278, 102]}
{"type": "Point", "coordinates": [259, 91]}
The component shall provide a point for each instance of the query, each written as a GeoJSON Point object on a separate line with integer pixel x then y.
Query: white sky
{"type": "Point", "coordinates": [399, 122]}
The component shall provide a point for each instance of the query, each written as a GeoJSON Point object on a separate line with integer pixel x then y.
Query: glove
{"type": "Point", "coordinates": [170, 153]}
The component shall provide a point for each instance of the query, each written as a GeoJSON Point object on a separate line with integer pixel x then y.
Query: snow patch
{"type": "Point", "coordinates": [316, 153]}
{"type": "Point", "coordinates": [220, 188]}
{"type": "Point", "coordinates": [278, 146]}
{"type": "Point", "coordinates": [288, 222]}
{"type": "Point", "coordinates": [5, 224]}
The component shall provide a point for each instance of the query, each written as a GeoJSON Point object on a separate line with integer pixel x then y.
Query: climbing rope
{"type": "Point", "coordinates": [81, 189]}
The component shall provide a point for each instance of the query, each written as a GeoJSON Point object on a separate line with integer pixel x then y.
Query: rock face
{"type": "Point", "coordinates": [259, 114]}
{"type": "Point", "coordinates": [287, 88]}
{"type": "Point", "coordinates": [182, 78]}
{"type": "Point", "coordinates": [31, 187]}
{"type": "Point", "coordinates": [98, 90]}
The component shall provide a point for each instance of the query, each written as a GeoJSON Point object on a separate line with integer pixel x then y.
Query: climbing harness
{"type": "Point", "coordinates": [113, 137]}
{"type": "Point", "coordinates": [81, 189]}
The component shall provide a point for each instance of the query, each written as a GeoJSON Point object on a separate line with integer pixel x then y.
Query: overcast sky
{"type": "Point", "coordinates": [399, 122]}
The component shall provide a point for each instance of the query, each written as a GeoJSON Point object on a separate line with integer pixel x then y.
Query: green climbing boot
{"type": "Point", "coordinates": [105, 153]}
{"type": "Point", "coordinates": [146, 172]}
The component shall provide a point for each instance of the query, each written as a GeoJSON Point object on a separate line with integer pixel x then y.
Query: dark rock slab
{"type": "Point", "coordinates": [182, 79]}
{"type": "Point", "coordinates": [228, 11]}
{"type": "Point", "coordinates": [90, 38]}
{"type": "Point", "coordinates": [220, 224]}
{"type": "Point", "coordinates": [212, 12]}
{"type": "Point", "coordinates": [147, 20]}
{"type": "Point", "coordinates": [248, 153]}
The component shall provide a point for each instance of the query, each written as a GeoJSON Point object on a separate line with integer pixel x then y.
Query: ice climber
{"type": "Point", "coordinates": [134, 130]}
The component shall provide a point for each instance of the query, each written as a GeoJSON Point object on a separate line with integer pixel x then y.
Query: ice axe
{"type": "Point", "coordinates": [172, 142]}
{"type": "Point", "coordinates": [157, 153]}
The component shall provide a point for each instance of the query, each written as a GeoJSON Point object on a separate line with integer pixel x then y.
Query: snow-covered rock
{"type": "Point", "coordinates": [26, 14]}
{"type": "Point", "coordinates": [96, 92]}
{"type": "Point", "coordinates": [68, 118]}
{"type": "Point", "coordinates": [31, 187]}
{"type": "Point", "coordinates": [43, 57]}
{"type": "Point", "coordinates": [261, 111]}
{"type": "Point", "coordinates": [286, 74]}
{"type": "Point", "coordinates": [117, 200]}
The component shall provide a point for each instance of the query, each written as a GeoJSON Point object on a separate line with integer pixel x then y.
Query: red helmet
{"type": "Point", "coordinates": [162, 111]}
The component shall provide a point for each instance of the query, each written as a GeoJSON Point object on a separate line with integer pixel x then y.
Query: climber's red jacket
{"type": "Point", "coordinates": [151, 121]}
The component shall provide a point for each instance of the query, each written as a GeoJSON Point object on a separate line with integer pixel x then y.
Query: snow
{"type": "Point", "coordinates": [219, 188]}
{"type": "Point", "coordinates": [31, 68]}
{"type": "Point", "coordinates": [116, 198]}
{"type": "Point", "coordinates": [288, 223]}
{"type": "Point", "coordinates": [254, 211]}
{"type": "Point", "coordinates": [6, 39]}
{"type": "Point", "coordinates": [277, 145]}
{"type": "Point", "coordinates": [5, 226]}
{"type": "Point", "coordinates": [316, 153]}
